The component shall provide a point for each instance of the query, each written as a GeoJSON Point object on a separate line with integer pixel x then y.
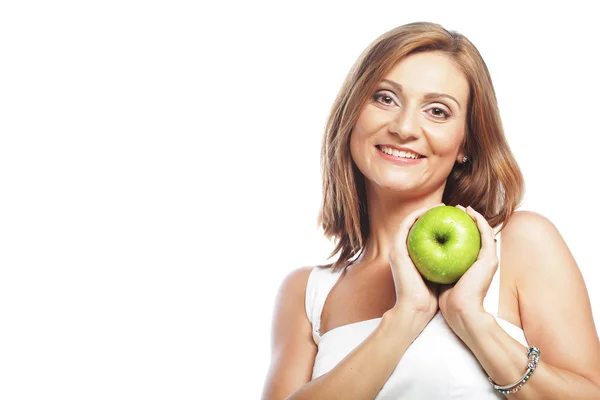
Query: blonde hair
{"type": "Point", "coordinates": [491, 182]}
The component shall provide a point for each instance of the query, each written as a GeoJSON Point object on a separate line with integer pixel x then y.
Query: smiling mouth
{"type": "Point", "coordinates": [399, 153]}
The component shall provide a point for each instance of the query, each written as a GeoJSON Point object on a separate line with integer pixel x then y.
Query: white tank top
{"type": "Point", "coordinates": [437, 365]}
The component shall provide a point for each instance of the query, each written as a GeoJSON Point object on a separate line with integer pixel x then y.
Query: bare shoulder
{"type": "Point", "coordinates": [295, 281]}
{"type": "Point", "coordinates": [292, 290]}
{"type": "Point", "coordinates": [527, 233]}
{"type": "Point", "coordinates": [290, 301]}
{"type": "Point", "coordinates": [553, 301]}
{"type": "Point", "coordinates": [535, 250]}
{"type": "Point", "coordinates": [293, 349]}
{"type": "Point", "coordinates": [524, 223]}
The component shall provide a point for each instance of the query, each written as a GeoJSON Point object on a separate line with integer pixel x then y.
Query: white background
{"type": "Point", "coordinates": [159, 174]}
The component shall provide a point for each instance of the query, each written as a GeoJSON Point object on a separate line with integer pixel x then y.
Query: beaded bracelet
{"type": "Point", "coordinates": [533, 354]}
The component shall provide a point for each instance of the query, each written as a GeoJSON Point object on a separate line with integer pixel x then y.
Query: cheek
{"type": "Point", "coordinates": [355, 145]}
{"type": "Point", "coordinates": [447, 140]}
{"type": "Point", "coordinates": [369, 121]}
{"type": "Point", "coordinates": [361, 132]}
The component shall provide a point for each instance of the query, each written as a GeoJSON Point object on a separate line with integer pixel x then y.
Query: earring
{"type": "Point", "coordinates": [464, 160]}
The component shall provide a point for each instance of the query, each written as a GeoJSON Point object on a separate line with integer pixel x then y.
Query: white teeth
{"type": "Point", "coordinates": [398, 153]}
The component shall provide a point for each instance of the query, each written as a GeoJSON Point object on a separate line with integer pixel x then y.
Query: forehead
{"type": "Point", "coordinates": [428, 72]}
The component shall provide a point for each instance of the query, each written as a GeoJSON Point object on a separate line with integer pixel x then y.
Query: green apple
{"type": "Point", "coordinates": [443, 244]}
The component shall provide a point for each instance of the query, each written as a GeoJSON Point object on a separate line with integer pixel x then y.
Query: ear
{"type": "Point", "coordinates": [460, 156]}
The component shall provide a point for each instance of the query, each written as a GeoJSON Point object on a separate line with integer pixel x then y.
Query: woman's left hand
{"type": "Point", "coordinates": [464, 299]}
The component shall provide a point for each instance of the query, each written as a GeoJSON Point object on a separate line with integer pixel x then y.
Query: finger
{"type": "Point", "coordinates": [460, 207]}
{"type": "Point", "coordinates": [488, 244]}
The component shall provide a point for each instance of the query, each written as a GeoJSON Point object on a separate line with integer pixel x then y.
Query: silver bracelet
{"type": "Point", "coordinates": [533, 354]}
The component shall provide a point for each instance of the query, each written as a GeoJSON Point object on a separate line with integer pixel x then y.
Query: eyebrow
{"type": "Point", "coordinates": [428, 96]}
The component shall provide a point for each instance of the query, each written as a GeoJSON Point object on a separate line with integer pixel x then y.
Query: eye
{"type": "Point", "coordinates": [439, 113]}
{"type": "Point", "coordinates": [384, 97]}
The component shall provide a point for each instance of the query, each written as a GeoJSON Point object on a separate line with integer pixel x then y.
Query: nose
{"type": "Point", "coordinates": [405, 123]}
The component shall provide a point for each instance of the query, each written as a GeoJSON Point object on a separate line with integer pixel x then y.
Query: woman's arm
{"type": "Point", "coordinates": [364, 371]}
{"type": "Point", "coordinates": [555, 313]}
{"type": "Point", "coordinates": [293, 350]}
{"type": "Point", "coordinates": [360, 375]}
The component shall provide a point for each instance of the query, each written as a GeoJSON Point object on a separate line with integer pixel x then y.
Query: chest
{"type": "Point", "coordinates": [369, 293]}
{"type": "Point", "coordinates": [358, 296]}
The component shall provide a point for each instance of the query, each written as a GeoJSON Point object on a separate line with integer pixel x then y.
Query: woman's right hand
{"type": "Point", "coordinates": [413, 294]}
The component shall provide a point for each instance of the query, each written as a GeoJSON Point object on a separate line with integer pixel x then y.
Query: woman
{"type": "Point", "coordinates": [416, 124]}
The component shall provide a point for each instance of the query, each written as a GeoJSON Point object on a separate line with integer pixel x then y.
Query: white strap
{"type": "Point", "coordinates": [320, 282]}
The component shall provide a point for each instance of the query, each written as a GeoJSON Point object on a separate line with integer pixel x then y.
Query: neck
{"type": "Point", "coordinates": [387, 210]}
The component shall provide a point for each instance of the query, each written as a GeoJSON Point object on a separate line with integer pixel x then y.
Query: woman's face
{"type": "Point", "coordinates": [418, 109]}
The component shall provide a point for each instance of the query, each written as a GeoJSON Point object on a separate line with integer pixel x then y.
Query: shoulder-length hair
{"type": "Point", "coordinates": [490, 182]}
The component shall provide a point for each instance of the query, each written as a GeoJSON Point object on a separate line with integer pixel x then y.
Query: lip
{"type": "Point", "coordinates": [400, 160]}
{"type": "Point", "coordinates": [393, 146]}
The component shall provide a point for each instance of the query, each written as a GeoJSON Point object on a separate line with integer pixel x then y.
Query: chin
{"type": "Point", "coordinates": [398, 186]}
